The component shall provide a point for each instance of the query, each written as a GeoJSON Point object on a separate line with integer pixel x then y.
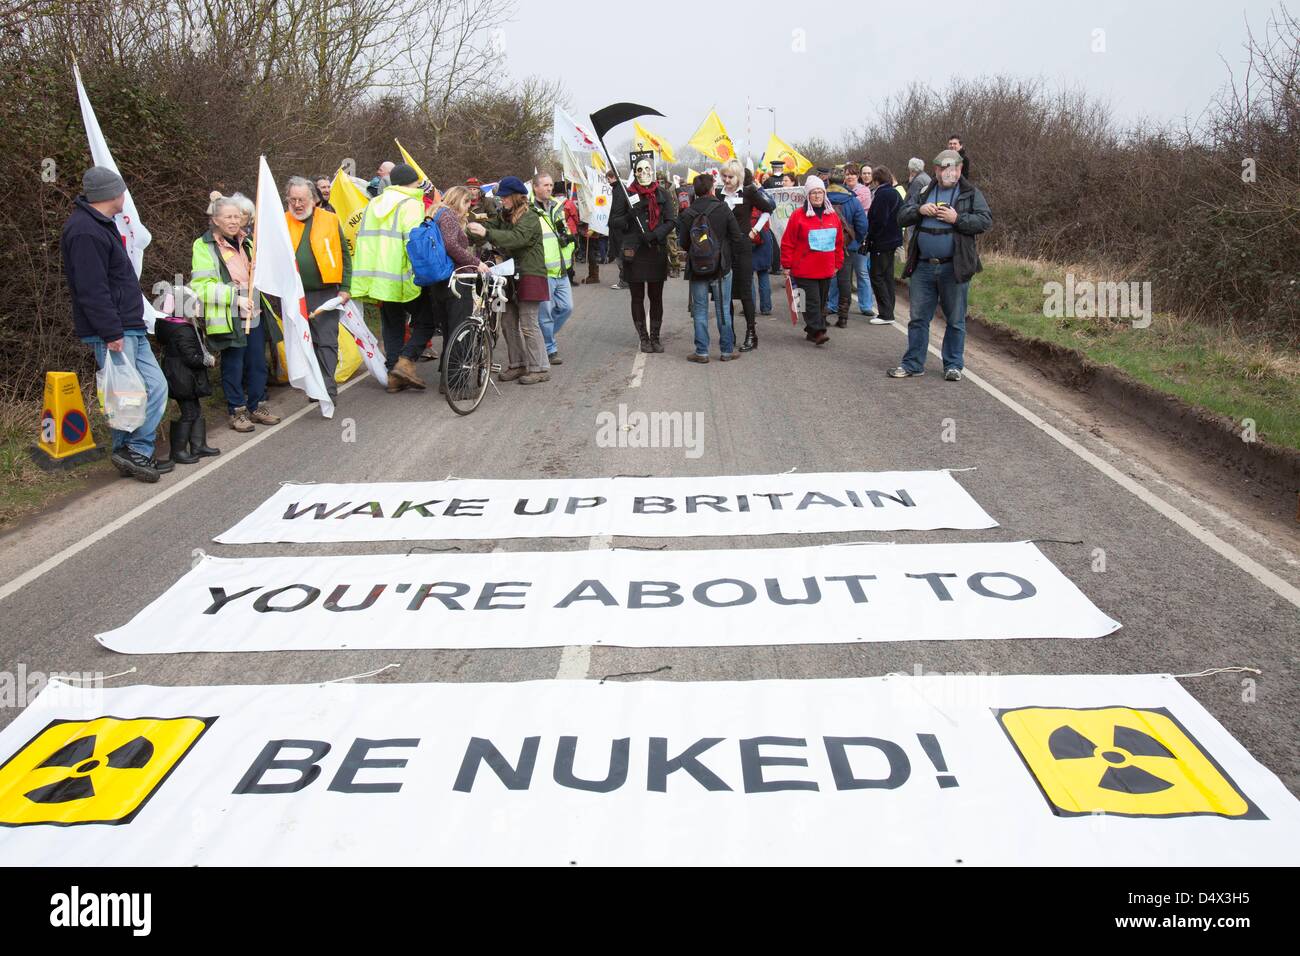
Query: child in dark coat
{"type": "Point", "coordinates": [185, 363]}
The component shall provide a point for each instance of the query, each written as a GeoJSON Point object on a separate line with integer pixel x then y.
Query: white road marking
{"type": "Point", "coordinates": [144, 507]}
{"type": "Point", "coordinates": [575, 661]}
{"type": "Point", "coordinates": [638, 369]}
{"type": "Point", "coordinates": [1263, 575]}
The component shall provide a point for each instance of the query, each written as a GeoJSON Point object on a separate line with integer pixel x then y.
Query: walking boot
{"type": "Point", "coordinates": [199, 440]}
{"type": "Point", "coordinates": [655, 327]}
{"type": "Point", "coordinates": [179, 436]}
{"type": "Point", "coordinates": [404, 371]}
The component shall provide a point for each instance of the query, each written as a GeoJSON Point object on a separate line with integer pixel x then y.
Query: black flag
{"type": "Point", "coordinates": [604, 120]}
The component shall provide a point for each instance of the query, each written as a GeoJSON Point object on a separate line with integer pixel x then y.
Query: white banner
{"type": "Point", "coordinates": [489, 508]}
{"type": "Point", "coordinates": [897, 771]}
{"type": "Point", "coordinates": [787, 200]}
{"type": "Point", "coordinates": [624, 598]}
{"type": "Point", "coordinates": [353, 319]}
{"type": "Point", "coordinates": [602, 201]}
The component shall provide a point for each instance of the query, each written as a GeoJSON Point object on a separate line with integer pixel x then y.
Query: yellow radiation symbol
{"type": "Point", "coordinates": [1122, 761]}
{"type": "Point", "coordinates": [93, 771]}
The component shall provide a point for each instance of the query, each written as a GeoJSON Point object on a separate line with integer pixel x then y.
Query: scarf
{"type": "Point", "coordinates": [236, 260]}
{"type": "Point", "coordinates": [650, 194]}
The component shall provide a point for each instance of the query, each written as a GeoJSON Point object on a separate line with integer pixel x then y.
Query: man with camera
{"type": "Point", "coordinates": [557, 249]}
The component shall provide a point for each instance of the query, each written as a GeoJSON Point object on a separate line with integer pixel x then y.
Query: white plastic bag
{"type": "Point", "coordinates": [122, 393]}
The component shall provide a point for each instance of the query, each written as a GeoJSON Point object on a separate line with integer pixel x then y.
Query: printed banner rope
{"type": "Point", "coordinates": [929, 770]}
{"type": "Point", "coordinates": [623, 597]}
{"type": "Point", "coordinates": [486, 508]}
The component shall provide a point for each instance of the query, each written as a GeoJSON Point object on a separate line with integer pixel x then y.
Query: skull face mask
{"type": "Point", "coordinates": [645, 172]}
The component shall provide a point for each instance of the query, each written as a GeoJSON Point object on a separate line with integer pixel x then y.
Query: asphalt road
{"type": "Point", "coordinates": [788, 405]}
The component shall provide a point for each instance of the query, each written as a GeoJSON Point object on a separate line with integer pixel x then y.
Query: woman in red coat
{"type": "Point", "coordinates": [812, 250]}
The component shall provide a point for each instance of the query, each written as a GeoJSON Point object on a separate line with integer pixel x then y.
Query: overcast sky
{"type": "Point", "coordinates": [1162, 59]}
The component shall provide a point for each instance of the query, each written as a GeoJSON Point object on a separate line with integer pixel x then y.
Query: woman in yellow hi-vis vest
{"type": "Point", "coordinates": [325, 267]}
{"type": "Point", "coordinates": [220, 271]}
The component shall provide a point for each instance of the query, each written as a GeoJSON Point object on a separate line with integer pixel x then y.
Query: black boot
{"type": "Point", "coordinates": [180, 436]}
{"type": "Point", "coordinates": [751, 337]}
{"type": "Point", "coordinates": [655, 326]}
{"type": "Point", "coordinates": [641, 332]}
{"type": "Point", "coordinates": [199, 439]}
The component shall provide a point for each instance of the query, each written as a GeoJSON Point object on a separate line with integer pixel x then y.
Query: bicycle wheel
{"type": "Point", "coordinates": [467, 367]}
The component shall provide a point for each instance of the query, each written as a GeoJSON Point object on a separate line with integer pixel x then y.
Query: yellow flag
{"type": "Point", "coordinates": [349, 204]}
{"type": "Point", "coordinates": [795, 162]}
{"type": "Point", "coordinates": [410, 161]}
{"type": "Point", "coordinates": [690, 175]}
{"type": "Point", "coordinates": [598, 160]}
{"type": "Point", "coordinates": [657, 143]}
{"type": "Point", "coordinates": [711, 139]}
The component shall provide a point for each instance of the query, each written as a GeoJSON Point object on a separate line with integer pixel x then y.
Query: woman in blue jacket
{"type": "Point", "coordinates": [884, 236]}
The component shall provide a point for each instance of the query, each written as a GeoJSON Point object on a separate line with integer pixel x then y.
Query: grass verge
{"type": "Point", "coordinates": [1206, 366]}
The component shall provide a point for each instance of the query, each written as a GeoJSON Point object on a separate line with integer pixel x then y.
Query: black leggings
{"type": "Point", "coordinates": [742, 283]}
{"type": "Point", "coordinates": [656, 292]}
{"type": "Point", "coordinates": [190, 409]}
{"type": "Point", "coordinates": [440, 312]}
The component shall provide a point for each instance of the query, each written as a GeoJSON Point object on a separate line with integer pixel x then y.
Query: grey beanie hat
{"type": "Point", "coordinates": [99, 184]}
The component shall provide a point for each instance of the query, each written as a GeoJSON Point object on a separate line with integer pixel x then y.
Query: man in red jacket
{"type": "Point", "coordinates": [812, 250]}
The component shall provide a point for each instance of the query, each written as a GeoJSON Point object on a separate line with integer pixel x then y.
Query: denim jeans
{"type": "Point", "coordinates": [764, 280]}
{"type": "Point", "coordinates": [136, 344]}
{"type": "Point", "coordinates": [722, 307]}
{"type": "Point", "coordinates": [931, 284]}
{"type": "Point", "coordinates": [243, 372]}
{"type": "Point", "coordinates": [553, 314]}
{"type": "Point", "coordinates": [862, 269]}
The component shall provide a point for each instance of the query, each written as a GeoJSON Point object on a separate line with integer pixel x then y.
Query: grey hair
{"type": "Point", "coordinates": [300, 181]}
{"type": "Point", "coordinates": [538, 177]}
{"type": "Point", "coordinates": [915, 165]}
{"type": "Point", "coordinates": [221, 202]}
{"type": "Point", "coordinates": [246, 205]}
{"type": "Point", "coordinates": [734, 167]}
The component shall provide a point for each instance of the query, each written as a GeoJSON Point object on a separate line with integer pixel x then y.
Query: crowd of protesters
{"type": "Point", "coordinates": [837, 247]}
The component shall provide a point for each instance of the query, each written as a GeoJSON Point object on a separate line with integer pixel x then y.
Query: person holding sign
{"type": "Point", "coordinates": [812, 250]}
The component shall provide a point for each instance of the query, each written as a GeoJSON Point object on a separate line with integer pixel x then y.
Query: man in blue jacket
{"type": "Point", "coordinates": [108, 310]}
{"type": "Point", "coordinates": [854, 220]}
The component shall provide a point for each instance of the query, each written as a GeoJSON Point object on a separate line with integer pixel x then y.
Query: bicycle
{"type": "Point", "coordinates": [468, 367]}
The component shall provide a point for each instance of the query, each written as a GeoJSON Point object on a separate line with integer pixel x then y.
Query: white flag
{"type": "Point", "coordinates": [275, 272]}
{"type": "Point", "coordinates": [134, 234]}
{"type": "Point", "coordinates": [568, 131]}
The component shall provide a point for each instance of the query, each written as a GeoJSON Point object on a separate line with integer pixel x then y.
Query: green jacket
{"type": "Point", "coordinates": [521, 240]}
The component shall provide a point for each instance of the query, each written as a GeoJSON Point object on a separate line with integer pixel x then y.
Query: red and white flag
{"type": "Point", "coordinates": [275, 272]}
{"type": "Point", "coordinates": [567, 130]}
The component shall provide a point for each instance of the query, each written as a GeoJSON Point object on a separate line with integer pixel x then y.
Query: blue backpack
{"type": "Point", "coordinates": [428, 253]}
